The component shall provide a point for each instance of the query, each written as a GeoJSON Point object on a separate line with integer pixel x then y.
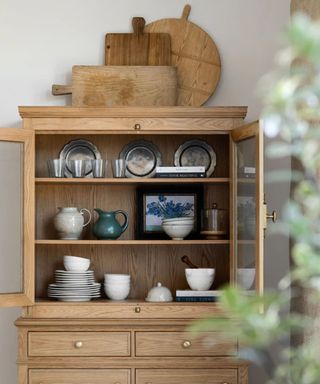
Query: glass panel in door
{"type": "Point", "coordinates": [248, 232]}
{"type": "Point", "coordinates": [11, 215]}
{"type": "Point", "coordinates": [16, 217]}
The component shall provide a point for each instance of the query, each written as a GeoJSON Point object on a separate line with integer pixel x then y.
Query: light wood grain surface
{"type": "Point", "coordinates": [195, 55]}
{"type": "Point", "coordinates": [138, 48]}
{"type": "Point", "coordinates": [181, 344]}
{"type": "Point", "coordinates": [235, 112]}
{"type": "Point", "coordinates": [79, 376]}
{"type": "Point", "coordinates": [109, 86]}
{"type": "Point", "coordinates": [79, 344]}
{"type": "Point", "coordinates": [186, 376]}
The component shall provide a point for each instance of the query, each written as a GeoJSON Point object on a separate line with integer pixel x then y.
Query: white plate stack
{"type": "Point", "coordinates": [74, 286]}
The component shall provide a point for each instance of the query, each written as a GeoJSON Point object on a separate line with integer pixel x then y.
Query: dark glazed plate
{"type": "Point", "coordinates": [142, 157]}
{"type": "Point", "coordinates": [79, 150]}
{"type": "Point", "coordinates": [196, 153]}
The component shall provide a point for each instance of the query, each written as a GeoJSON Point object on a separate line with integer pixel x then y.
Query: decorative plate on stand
{"type": "Point", "coordinates": [79, 150]}
{"type": "Point", "coordinates": [196, 153]}
{"type": "Point", "coordinates": [142, 157]}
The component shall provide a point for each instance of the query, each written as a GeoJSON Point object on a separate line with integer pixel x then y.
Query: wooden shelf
{"type": "Point", "coordinates": [131, 242]}
{"type": "Point", "coordinates": [134, 181]}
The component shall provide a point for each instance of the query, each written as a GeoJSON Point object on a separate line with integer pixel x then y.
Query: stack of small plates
{"type": "Point", "coordinates": [74, 286]}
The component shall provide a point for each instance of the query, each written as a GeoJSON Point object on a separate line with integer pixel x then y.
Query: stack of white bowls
{"type": "Point", "coordinates": [116, 287]}
{"type": "Point", "coordinates": [178, 228]}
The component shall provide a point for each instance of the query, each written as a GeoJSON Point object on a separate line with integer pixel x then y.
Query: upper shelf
{"type": "Point", "coordinates": [134, 181]}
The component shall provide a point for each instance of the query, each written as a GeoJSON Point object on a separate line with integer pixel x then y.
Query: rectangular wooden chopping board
{"type": "Point", "coordinates": [138, 48]}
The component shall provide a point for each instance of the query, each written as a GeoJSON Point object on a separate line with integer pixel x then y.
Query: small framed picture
{"type": "Point", "coordinates": [156, 203]}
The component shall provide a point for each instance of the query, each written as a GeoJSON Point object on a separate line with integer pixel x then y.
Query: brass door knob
{"type": "Point", "coordinates": [137, 127]}
{"type": "Point", "coordinates": [273, 216]}
{"type": "Point", "coordinates": [137, 309]}
{"type": "Point", "coordinates": [78, 344]}
{"type": "Point", "coordinates": [186, 344]}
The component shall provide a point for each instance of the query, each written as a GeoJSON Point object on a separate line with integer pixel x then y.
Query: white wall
{"type": "Point", "coordinates": [41, 40]}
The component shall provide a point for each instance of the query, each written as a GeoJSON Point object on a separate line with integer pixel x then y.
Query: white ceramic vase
{"type": "Point", "coordinates": [69, 222]}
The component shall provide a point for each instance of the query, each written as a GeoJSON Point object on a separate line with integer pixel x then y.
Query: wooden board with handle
{"type": "Point", "coordinates": [195, 55]}
{"type": "Point", "coordinates": [110, 86]}
{"type": "Point", "coordinates": [138, 48]}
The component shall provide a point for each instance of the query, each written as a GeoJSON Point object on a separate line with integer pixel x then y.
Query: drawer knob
{"type": "Point", "coordinates": [186, 344]}
{"type": "Point", "coordinates": [78, 344]}
{"type": "Point", "coordinates": [137, 309]}
{"type": "Point", "coordinates": [137, 127]}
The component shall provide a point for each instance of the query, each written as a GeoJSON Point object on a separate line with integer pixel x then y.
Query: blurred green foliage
{"type": "Point", "coordinates": [291, 117]}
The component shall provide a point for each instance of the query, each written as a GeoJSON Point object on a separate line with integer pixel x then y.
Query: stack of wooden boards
{"type": "Point", "coordinates": [168, 62]}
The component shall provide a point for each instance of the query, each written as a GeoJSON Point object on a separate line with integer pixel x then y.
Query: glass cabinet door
{"type": "Point", "coordinates": [16, 217]}
{"type": "Point", "coordinates": [247, 266]}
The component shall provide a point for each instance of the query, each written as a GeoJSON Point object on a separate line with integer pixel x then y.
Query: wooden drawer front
{"type": "Point", "coordinates": [186, 376]}
{"type": "Point", "coordinates": [179, 344]}
{"type": "Point", "coordinates": [79, 376]}
{"type": "Point", "coordinates": [79, 343]}
{"type": "Point", "coordinates": [126, 310]}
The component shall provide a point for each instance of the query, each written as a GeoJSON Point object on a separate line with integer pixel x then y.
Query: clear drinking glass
{"type": "Point", "coordinates": [56, 167]}
{"type": "Point", "coordinates": [79, 167]}
{"type": "Point", "coordinates": [99, 167]}
{"type": "Point", "coordinates": [119, 168]}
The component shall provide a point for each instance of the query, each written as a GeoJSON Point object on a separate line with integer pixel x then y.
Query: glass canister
{"type": "Point", "coordinates": [214, 221]}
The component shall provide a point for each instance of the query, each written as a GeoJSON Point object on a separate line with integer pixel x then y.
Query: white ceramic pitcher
{"type": "Point", "coordinates": [69, 222]}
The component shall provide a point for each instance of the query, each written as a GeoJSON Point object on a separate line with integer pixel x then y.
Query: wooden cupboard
{"type": "Point", "coordinates": [131, 341]}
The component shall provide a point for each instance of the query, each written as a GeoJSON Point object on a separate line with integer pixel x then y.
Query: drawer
{"type": "Point", "coordinates": [79, 376]}
{"type": "Point", "coordinates": [179, 344]}
{"type": "Point", "coordinates": [126, 310]}
{"type": "Point", "coordinates": [79, 343]}
{"type": "Point", "coordinates": [186, 376]}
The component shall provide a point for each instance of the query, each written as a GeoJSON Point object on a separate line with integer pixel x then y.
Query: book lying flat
{"type": "Point", "coordinates": [191, 293]}
{"type": "Point", "coordinates": [199, 169]}
{"type": "Point", "coordinates": [180, 174]}
{"type": "Point", "coordinates": [190, 299]}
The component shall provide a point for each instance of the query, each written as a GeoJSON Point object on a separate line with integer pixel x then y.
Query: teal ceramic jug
{"type": "Point", "coordinates": [107, 226]}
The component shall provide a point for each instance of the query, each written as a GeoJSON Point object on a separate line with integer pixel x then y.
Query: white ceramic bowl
{"type": "Point", "coordinates": [117, 277]}
{"type": "Point", "coordinates": [245, 277]}
{"type": "Point", "coordinates": [177, 232]}
{"type": "Point", "coordinates": [200, 279]}
{"type": "Point", "coordinates": [111, 282]}
{"type": "Point", "coordinates": [117, 293]}
{"type": "Point", "coordinates": [180, 219]}
{"type": "Point", "coordinates": [76, 264]}
{"type": "Point", "coordinates": [177, 222]}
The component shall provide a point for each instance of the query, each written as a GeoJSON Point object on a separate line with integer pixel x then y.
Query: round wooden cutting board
{"type": "Point", "coordinates": [194, 54]}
